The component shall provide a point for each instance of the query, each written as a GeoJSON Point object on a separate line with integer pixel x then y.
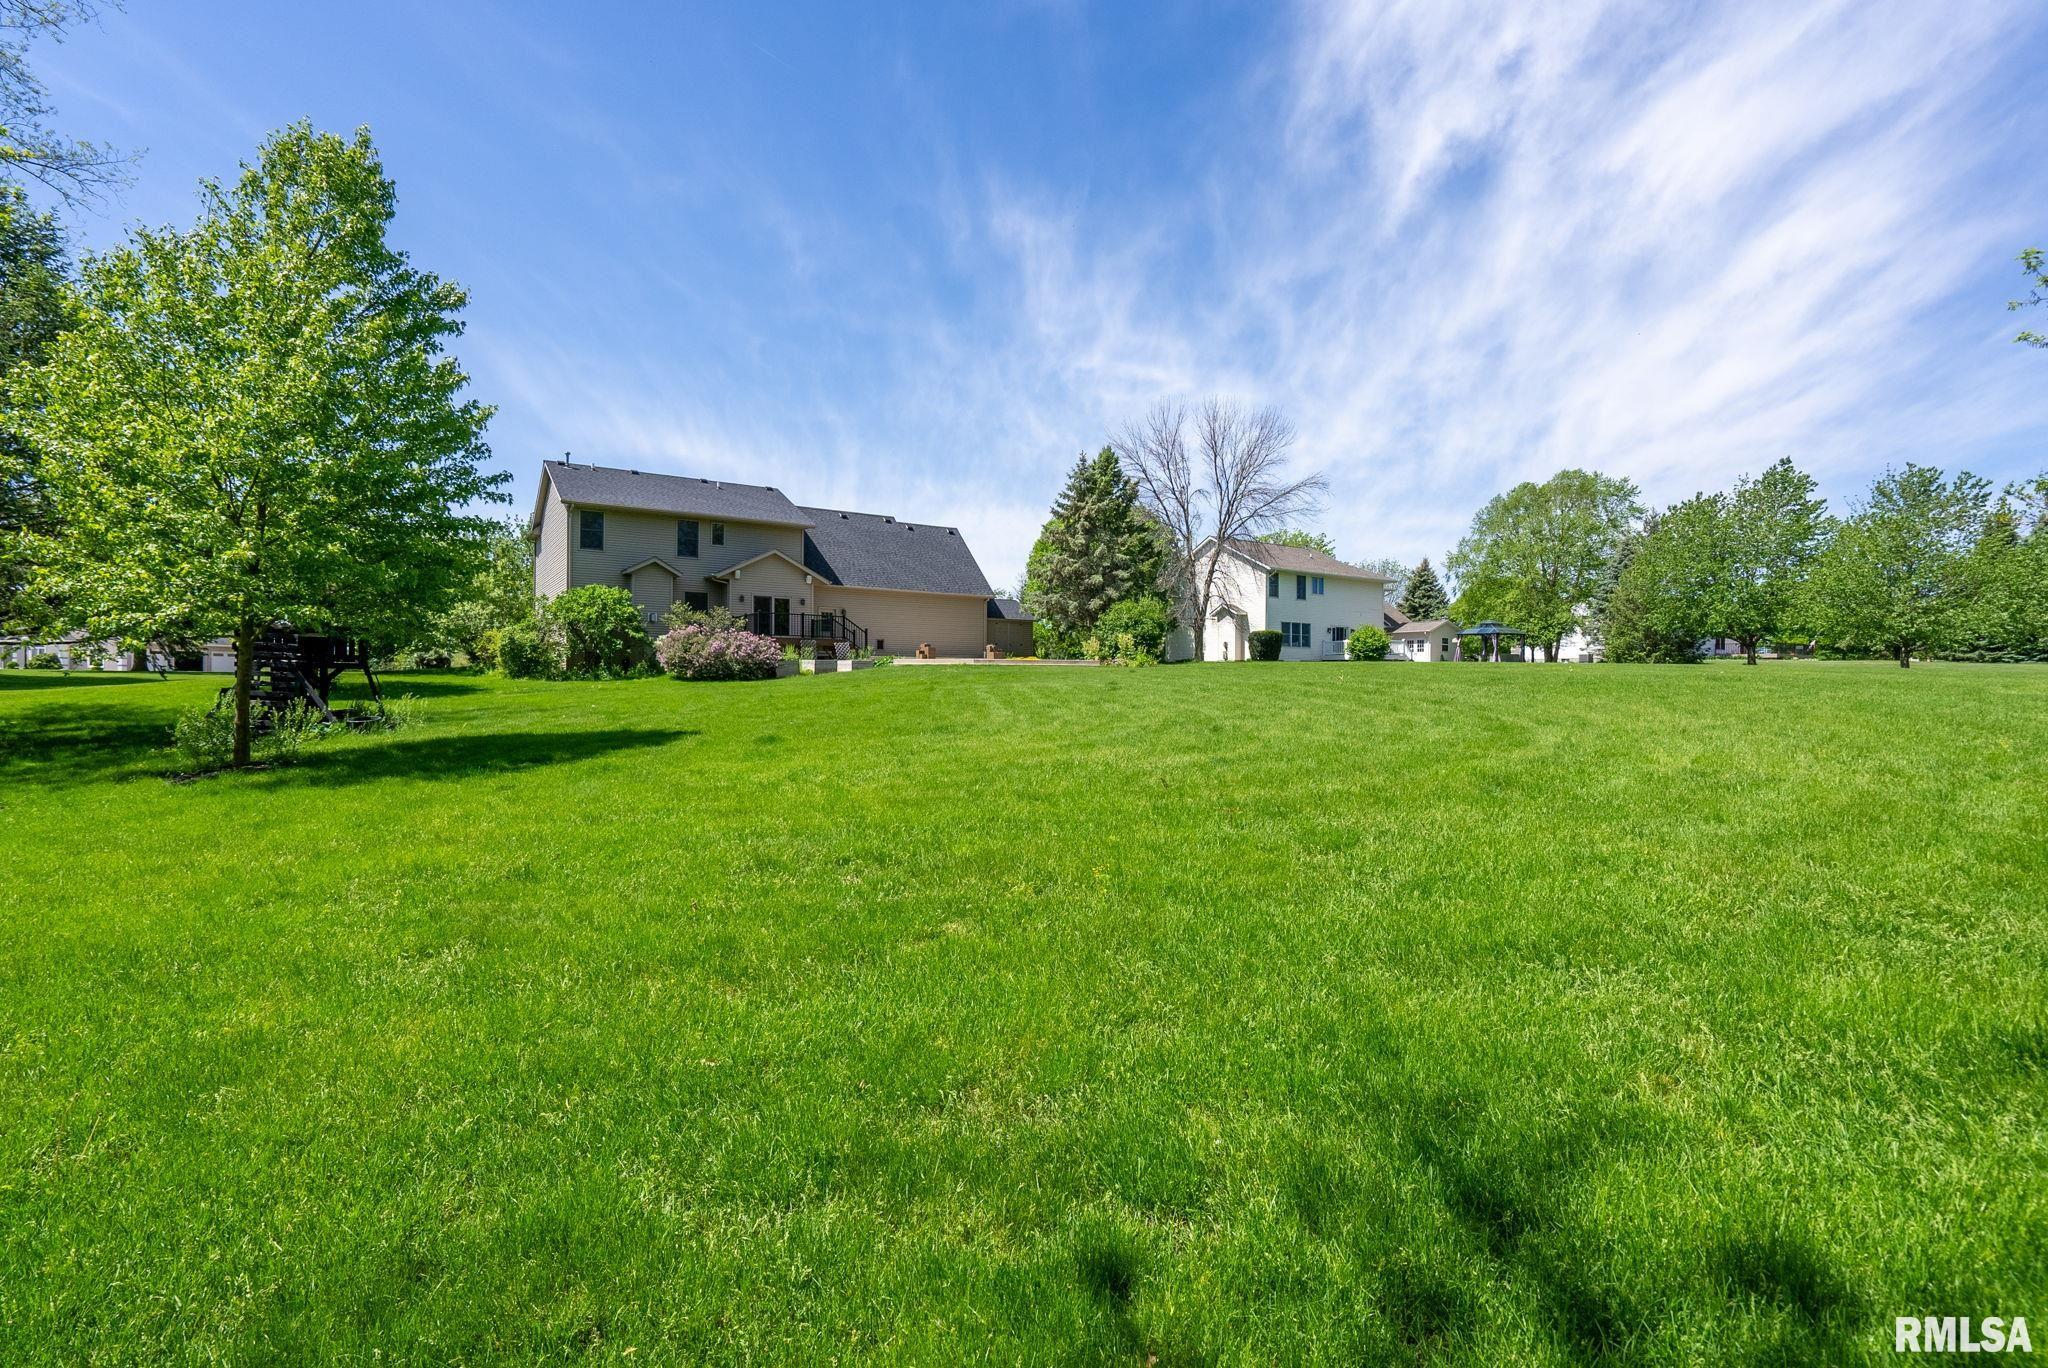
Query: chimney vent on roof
{"type": "Point", "coordinates": [842, 517]}
{"type": "Point", "coordinates": [888, 519]}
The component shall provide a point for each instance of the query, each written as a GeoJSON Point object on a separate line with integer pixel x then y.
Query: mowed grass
{"type": "Point", "coordinates": [1232, 1014]}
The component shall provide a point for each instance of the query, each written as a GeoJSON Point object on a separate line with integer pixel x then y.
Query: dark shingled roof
{"type": "Point", "coordinates": [682, 495]}
{"type": "Point", "coordinates": [1008, 608]}
{"type": "Point", "coordinates": [870, 551]}
{"type": "Point", "coordinates": [1275, 556]}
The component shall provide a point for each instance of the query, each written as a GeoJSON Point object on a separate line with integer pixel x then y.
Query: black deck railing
{"type": "Point", "coordinates": [806, 626]}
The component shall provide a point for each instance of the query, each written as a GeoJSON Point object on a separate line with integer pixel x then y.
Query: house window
{"type": "Point", "coordinates": [1315, 586]}
{"type": "Point", "coordinates": [718, 534]}
{"type": "Point", "coordinates": [593, 530]}
{"type": "Point", "coordinates": [696, 602]}
{"type": "Point", "coordinates": [1273, 584]}
{"type": "Point", "coordinates": [686, 537]}
{"type": "Point", "coordinates": [1295, 633]}
{"type": "Point", "coordinates": [1340, 633]}
{"type": "Point", "coordinates": [1301, 586]}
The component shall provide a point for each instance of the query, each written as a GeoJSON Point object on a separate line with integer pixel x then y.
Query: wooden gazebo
{"type": "Point", "coordinates": [1490, 634]}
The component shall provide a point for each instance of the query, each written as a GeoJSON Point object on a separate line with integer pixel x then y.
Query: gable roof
{"type": "Point", "coordinates": [1394, 616]}
{"type": "Point", "coordinates": [874, 551]}
{"type": "Point", "coordinates": [737, 566]}
{"type": "Point", "coordinates": [655, 561]}
{"type": "Point", "coordinates": [687, 496]}
{"type": "Point", "coordinates": [1299, 559]}
{"type": "Point", "coordinates": [1008, 608]}
{"type": "Point", "coordinates": [1422, 626]}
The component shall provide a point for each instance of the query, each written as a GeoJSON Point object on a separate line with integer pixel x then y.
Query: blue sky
{"type": "Point", "coordinates": [914, 259]}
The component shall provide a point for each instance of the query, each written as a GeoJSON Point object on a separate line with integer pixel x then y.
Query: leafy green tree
{"type": "Point", "coordinates": [1423, 597]}
{"type": "Point", "coordinates": [500, 594]}
{"type": "Point", "coordinates": [1770, 530]}
{"type": "Point", "coordinates": [1901, 575]}
{"type": "Point", "coordinates": [1146, 619]}
{"type": "Point", "coordinates": [1535, 556]}
{"type": "Point", "coordinates": [1097, 549]}
{"type": "Point", "coordinates": [1307, 541]}
{"type": "Point", "coordinates": [2035, 263]}
{"type": "Point", "coordinates": [600, 630]}
{"type": "Point", "coordinates": [2007, 620]}
{"type": "Point", "coordinates": [1662, 598]}
{"type": "Point", "coordinates": [254, 420]}
{"type": "Point", "coordinates": [33, 271]}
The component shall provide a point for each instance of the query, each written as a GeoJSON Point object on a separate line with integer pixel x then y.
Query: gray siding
{"type": "Point", "coordinates": [954, 624]}
{"type": "Point", "coordinates": [1011, 636]}
{"type": "Point", "coordinates": [551, 557]}
{"type": "Point", "coordinates": [630, 538]}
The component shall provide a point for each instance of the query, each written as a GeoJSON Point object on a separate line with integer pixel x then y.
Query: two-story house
{"type": "Point", "coordinates": [1311, 599]}
{"type": "Point", "coordinates": [792, 572]}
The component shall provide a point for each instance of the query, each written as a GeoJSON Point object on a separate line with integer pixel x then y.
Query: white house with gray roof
{"type": "Point", "coordinates": [1311, 599]}
{"type": "Point", "coordinates": [792, 572]}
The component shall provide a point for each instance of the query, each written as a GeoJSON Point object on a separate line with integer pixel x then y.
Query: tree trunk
{"type": "Point", "coordinates": [1905, 657]}
{"type": "Point", "coordinates": [245, 674]}
{"type": "Point", "coordinates": [1749, 649]}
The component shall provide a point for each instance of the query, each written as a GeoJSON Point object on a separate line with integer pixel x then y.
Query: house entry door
{"type": "Point", "coordinates": [781, 615]}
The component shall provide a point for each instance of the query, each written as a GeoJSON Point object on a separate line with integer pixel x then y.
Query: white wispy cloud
{"type": "Point", "coordinates": [1475, 246]}
{"type": "Point", "coordinates": [1460, 245]}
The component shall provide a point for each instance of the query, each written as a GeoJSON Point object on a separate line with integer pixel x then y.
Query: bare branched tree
{"type": "Point", "coordinates": [1229, 483]}
{"type": "Point", "coordinates": [78, 172]}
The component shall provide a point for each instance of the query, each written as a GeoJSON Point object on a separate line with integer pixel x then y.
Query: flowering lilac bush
{"type": "Point", "coordinates": [697, 651]}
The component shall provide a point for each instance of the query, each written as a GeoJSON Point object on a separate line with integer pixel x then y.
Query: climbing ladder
{"type": "Point", "coordinates": [289, 670]}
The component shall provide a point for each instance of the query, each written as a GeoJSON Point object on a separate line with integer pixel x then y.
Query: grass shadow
{"type": "Point", "coordinates": [58, 745]}
{"type": "Point", "coordinates": [466, 756]}
{"type": "Point", "coordinates": [436, 684]}
{"type": "Point", "coordinates": [25, 681]}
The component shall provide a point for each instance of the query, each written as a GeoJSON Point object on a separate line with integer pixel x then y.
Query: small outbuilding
{"type": "Point", "coordinates": [1009, 628]}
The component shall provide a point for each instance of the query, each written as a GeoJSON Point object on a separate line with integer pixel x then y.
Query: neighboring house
{"type": "Point", "coordinates": [1312, 599]}
{"type": "Point", "coordinates": [791, 572]}
{"type": "Point", "coordinates": [1425, 639]}
{"type": "Point", "coordinates": [74, 652]}
{"type": "Point", "coordinates": [1009, 627]}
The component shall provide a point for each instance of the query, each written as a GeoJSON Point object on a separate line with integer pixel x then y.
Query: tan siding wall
{"type": "Point", "coordinates": [551, 557]}
{"type": "Point", "coordinates": [630, 538]}
{"type": "Point", "coordinates": [772, 579]}
{"type": "Point", "coordinates": [653, 591]}
{"type": "Point", "coordinates": [955, 625]}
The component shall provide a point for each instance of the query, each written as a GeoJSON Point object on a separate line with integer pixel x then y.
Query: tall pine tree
{"type": "Point", "coordinates": [1097, 549]}
{"type": "Point", "coordinates": [1424, 598]}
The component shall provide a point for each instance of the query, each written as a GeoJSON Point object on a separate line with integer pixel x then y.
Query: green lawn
{"type": "Point", "coordinates": [1229, 1013]}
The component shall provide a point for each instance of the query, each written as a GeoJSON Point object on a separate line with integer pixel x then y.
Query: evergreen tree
{"type": "Point", "coordinates": [1423, 598]}
{"type": "Point", "coordinates": [1096, 550]}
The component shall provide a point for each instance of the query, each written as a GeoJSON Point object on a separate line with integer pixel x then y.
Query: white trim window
{"type": "Point", "coordinates": [1296, 634]}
